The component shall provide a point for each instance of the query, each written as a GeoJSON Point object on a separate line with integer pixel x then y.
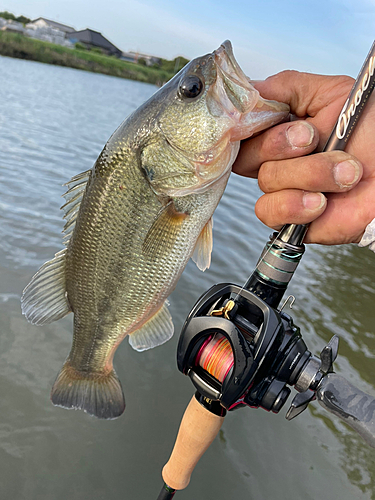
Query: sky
{"type": "Point", "coordinates": [319, 36]}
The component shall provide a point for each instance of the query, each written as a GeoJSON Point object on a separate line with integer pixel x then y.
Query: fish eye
{"type": "Point", "coordinates": [190, 87]}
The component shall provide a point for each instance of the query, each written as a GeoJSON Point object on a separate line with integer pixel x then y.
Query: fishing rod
{"type": "Point", "coordinates": [240, 349]}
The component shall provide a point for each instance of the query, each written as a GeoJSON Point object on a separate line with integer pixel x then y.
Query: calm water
{"type": "Point", "coordinates": [53, 123]}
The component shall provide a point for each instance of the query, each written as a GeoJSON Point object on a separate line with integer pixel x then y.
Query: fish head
{"type": "Point", "coordinates": [204, 111]}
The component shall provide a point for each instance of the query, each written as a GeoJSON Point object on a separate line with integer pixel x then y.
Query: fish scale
{"type": "Point", "coordinates": [136, 218]}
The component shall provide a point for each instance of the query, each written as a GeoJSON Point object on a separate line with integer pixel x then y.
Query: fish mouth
{"type": "Point", "coordinates": [229, 67]}
{"type": "Point", "coordinates": [234, 87]}
{"type": "Point", "coordinates": [240, 100]}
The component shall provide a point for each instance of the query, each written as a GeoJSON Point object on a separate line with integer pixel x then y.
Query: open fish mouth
{"type": "Point", "coordinates": [228, 65]}
{"type": "Point", "coordinates": [235, 84]}
{"type": "Point", "coordinates": [240, 100]}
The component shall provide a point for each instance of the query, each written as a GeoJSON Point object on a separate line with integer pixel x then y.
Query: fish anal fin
{"type": "Point", "coordinates": [164, 231]}
{"type": "Point", "coordinates": [203, 247]}
{"type": "Point", "coordinates": [156, 331]}
{"type": "Point", "coordinates": [98, 394]}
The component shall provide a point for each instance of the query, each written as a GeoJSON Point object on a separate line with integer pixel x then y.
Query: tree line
{"type": "Point", "coordinates": [8, 15]}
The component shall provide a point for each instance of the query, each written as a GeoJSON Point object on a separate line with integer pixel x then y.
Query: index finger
{"type": "Point", "coordinates": [318, 97]}
{"type": "Point", "coordinates": [281, 142]}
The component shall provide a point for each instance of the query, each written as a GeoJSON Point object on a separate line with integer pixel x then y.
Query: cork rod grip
{"type": "Point", "coordinates": [198, 429]}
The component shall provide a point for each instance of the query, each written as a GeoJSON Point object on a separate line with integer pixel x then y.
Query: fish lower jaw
{"type": "Point", "coordinates": [250, 125]}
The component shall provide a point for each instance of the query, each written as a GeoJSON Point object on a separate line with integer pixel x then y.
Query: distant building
{"type": "Point", "coordinates": [2, 22]}
{"type": "Point", "coordinates": [13, 27]}
{"type": "Point", "coordinates": [150, 60]}
{"type": "Point", "coordinates": [127, 56]}
{"type": "Point", "coordinates": [93, 39]}
{"type": "Point", "coordinates": [42, 22]}
{"type": "Point", "coordinates": [49, 31]}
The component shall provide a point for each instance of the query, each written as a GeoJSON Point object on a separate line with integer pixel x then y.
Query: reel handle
{"type": "Point", "coordinates": [198, 429]}
{"type": "Point", "coordinates": [356, 408]}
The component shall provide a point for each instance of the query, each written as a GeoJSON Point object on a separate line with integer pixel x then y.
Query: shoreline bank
{"type": "Point", "coordinates": [22, 47]}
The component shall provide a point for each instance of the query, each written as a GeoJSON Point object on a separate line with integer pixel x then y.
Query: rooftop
{"type": "Point", "coordinates": [54, 24]}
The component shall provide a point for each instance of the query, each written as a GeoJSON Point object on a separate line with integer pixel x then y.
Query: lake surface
{"type": "Point", "coordinates": [54, 122]}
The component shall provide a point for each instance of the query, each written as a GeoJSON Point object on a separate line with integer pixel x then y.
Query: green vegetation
{"type": "Point", "coordinates": [8, 15]}
{"type": "Point", "coordinates": [79, 46]}
{"type": "Point", "coordinates": [173, 66]}
{"type": "Point", "coordinates": [22, 47]}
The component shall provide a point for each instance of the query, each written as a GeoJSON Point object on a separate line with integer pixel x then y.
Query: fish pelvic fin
{"type": "Point", "coordinates": [158, 329]}
{"type": "Point", "coordinates": [45, 299]}
{"type": "Point", "coordinates": [98, 394]}
{"type": "Point", "coordinates": [203, 247]}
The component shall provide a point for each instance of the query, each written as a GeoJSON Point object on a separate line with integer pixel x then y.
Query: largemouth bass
{"type": "Point", "coordinates": [136, 218]}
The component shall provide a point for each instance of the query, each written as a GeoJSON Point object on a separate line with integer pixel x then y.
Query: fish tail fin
{"type": "Point", "coordinates": [99, 394]}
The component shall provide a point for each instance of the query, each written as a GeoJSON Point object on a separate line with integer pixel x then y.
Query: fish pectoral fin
{"type": "Point", "coordinates": [203, 247]}
{"type": "Point", "coordinates": [45, 299]}
{"type": "Point", "coordinates": [158, 329]}
{"type": "Point", "coordinates": [163, 233]}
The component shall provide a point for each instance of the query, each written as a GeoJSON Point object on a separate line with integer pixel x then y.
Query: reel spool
{"type": "Point", "coordinates": [216, 357]}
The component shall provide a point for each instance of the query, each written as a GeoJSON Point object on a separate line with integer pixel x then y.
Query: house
{"type": "Point", "coordinates": [126, 56]}
{"type": "Point", "coordinates": [49, 31]}
{"type": "Point", "coordinates": [93, 39]}
{"type": "Point", "coordinates": [44, 23]}
{"type": "Point", "coordinates": [13, 27]}
{"type": "Point", "coordinates": [150, 60]}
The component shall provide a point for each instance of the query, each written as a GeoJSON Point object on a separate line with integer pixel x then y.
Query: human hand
{"type": "Point", "coordinates": [292, 182]}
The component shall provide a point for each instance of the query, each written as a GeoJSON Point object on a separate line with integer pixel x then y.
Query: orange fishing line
{"type": "Point", "coordinates": [217, 357]}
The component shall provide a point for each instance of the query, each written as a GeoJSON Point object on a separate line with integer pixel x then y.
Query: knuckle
{"type": "Point", "coordinates": [344, 81]}
{"type": "Point", "coordinates": [267, 176]}
{"type": "Point", "coordinates": [287, 74]}
{"type": "Point", "coordinates": [275, 209]}
{"type": "Point", "coordinates": [264, 177]}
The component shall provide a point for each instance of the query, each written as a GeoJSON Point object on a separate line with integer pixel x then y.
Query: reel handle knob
{"type": "Point", "coordinates": [353, 406]}
{"type": "Point", "coordinates": [198, 429]}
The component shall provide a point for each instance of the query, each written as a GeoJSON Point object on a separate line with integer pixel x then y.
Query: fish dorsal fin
{"type": "Point", "coordinates": [73, 196]}
{"type": "Point", "coordinates": [44, 299]}
{"type": "Point", "coordinates": [158, 329]}
{"type": "Point", "coordinates": [203, 247]}
{"type": "Point", "coordinates": [162, 235]}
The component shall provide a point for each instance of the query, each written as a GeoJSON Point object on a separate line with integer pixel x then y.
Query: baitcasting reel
{"type": "Point", "coordinates": [260, 350]}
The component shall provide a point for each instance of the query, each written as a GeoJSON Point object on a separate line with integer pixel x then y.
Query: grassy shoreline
{"type": "Point", "coordinates": [22, 47]}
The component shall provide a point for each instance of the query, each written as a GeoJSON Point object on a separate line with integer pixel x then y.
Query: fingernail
{"type": "Point", "coordinates": [346, 173]}
{"type": "Point", "coordinates": [300, 135]}
{"type": "Point", "coordinates": [313, 201]}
